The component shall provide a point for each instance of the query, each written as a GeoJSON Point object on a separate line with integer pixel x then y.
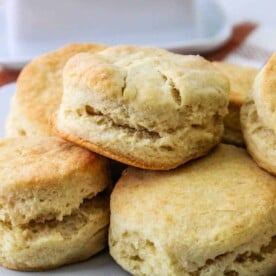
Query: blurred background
{"type": "Point", "coordinates": [258, 11]}
{"type": "Point", "coordinates": [31, 27]}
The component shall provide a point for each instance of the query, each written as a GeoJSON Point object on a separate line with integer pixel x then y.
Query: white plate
{"type": "Point", "coordinates": [213, 31]}
{"type": "Point", "coordinates": [100, 265]}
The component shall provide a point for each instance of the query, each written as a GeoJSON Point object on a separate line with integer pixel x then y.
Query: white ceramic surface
{"type": "Point", "coordinates": [205, 30]}
{"type": "Point", "coordinates": [38, 22]}
{"type": "Point", "coordinates": [100, 265]}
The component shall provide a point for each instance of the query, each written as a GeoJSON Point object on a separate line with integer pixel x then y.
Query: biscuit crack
{"type": "Point", "coordinates": [90, 110]}
{"type": "Point", "coordinates": [68, 226]}
{"type": "Point", "coordinates": [248, 256]}
{"type": "Point", "coordinates": [142, 132]}
{"type": "Point", "coordinates": [175, 93]}
{"type": "Point", "coordinates": [104, 118]}
{"type": "Point", "coordinates": [164, 77]}
{"type": "Point", "coordinates": [124, 85]}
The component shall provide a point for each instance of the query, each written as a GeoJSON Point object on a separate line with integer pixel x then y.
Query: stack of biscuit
{"type": "Point", "coordinates": [55, 195]}
{"type": "Point", "coordinates": [186, 205]}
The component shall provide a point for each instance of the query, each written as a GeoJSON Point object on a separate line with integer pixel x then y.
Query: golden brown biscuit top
{"type": "Point", "coordinates": [241, 79]}
{"type": "Point", "coordinates": [206, 208]}
{"type": "Point", "coordinates": [147, 75]}
{"type": "Point", "coordinates": [147, 79]}
{"type": "Point", "coordinates": [29, 162]}
{"type": "Point", "coordinates": [39, 86]}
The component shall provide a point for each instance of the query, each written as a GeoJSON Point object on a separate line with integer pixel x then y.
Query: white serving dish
{"type": "Point", "coordinates": [33, 27]}
{"type": "Point", "coordinates": [100, 265]}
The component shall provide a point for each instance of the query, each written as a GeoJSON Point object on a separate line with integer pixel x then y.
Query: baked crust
{"type": "Point", "coordinates": [212, 216]}
{"type": "Point", "coordinates": [39, 91]}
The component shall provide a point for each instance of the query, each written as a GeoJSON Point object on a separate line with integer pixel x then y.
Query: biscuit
{"type": "Point", "coordinates": [258, 118]}
{"type": "Point", "coordinates": [39, 91]}
{"type": "Point", "coordinates": [213, 216]}
{"type": "Point", "coordinates": [53, 209]}
{"type": "Point", "coordinates": [241, 79]}
{"type": "Point", "coordinates": [142, 106]}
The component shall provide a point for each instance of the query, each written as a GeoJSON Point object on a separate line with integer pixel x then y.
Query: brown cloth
{"type": "Point", "coordinates": [239, 34]}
